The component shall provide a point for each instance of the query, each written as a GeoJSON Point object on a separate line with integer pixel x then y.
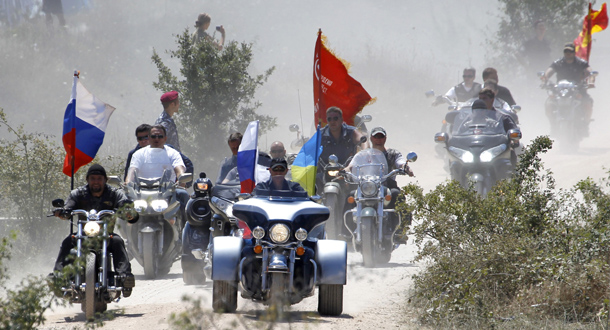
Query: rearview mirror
{"type": "Point", "coordinates": [366, 118]}
{"type": "Point", "coordinates": [114, 181]}
{"type": "Point", "coordinates": [430, 93]}
{"type": "Point", "coordinates": [516, 108]}
{"type": "Point", "coordinates": [412, 156]}
{"type": "Point", "coordinates": [58, 202]}
{"type": "Point", "coordinates": [363, 139]}
{"type": "Point", "coordinates": [293, 128]}
{"type": "Point", "coordinates": [186, 177]}
{"type": "Point", "coordinates": [333, 160]}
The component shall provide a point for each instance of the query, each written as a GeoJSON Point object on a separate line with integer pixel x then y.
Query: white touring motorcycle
{"type": "Point", "coordinates": [283, 263]}
{"type": "Point", "coordinates": [154, 241]}
{"type": "Point", "coordinates": [370, 224]}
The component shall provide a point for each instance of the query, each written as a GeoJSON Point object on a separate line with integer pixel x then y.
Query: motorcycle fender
{"type": "Point", "coordinates": [331, 257]}
{"type": "Point", "coordinates": [226, 254]}
{"type": "Point", "coordinates": [170, 211]}
{"type": "Point", "coordinates": [278, 263]}
{"type": "Point", "coordinates": [368, 212]}
{"type": "Point", "coordinates": [332, 188]}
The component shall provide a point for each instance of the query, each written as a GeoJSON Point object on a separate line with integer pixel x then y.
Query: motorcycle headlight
{"type": "Point", "coordinates": [279, 233]}
{"type": "Point", "coordinates": [301, 234]}
{"type": "Point", "coordinates": [333, 173]}
{"type": "Point", "coordinates": [140, 205]}
{"type": "Point", "coordinates": [465, 156]}
{"type": "Point", "coordinates": [201, 186]}
{"type": "Point", "coordinates": [489, 154]}
{"type": "Point", "coordinates": [159, 205]}
{"type": "Point", "coordinates": [258, 232]}
{"type": "Point", "coordinates": [368, 188]}
{"type": "Point", "coordinates": [92, 229]}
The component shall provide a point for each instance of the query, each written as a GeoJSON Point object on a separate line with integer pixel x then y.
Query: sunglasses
{"type": "Point", "coordinates": [468, 76]}
{"type": "Point", "coordinates": [379, 136]}
{"type": "Point", "coordinates": [160, 136]}
{"type": "Point", "coordinates": [278, 169]}
{"type": "Point", "coordinates": [329, 119]}
{"type": "Point", "coordinates": [276, 151]}
{"type": "Point", "coordinates": [145, 137]}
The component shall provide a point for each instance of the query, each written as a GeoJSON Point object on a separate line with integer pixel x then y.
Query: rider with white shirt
{"type": "Point", "coordinates": [153, 160]}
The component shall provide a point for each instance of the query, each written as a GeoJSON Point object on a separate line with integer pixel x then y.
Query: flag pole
{"type": "Point", "coordinates": [319, 46]}
{"type": "Point", "coordinates": [589, 19]}
{"type": "Point", "coordinates": [73, 146]}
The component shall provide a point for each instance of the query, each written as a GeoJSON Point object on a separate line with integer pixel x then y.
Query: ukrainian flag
{"type": "Point", "coordinates": [305, 164]}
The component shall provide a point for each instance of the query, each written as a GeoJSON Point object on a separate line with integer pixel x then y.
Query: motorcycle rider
{"type": "Point", "coordinates": [230, 162]}
{"type": "Point", "coordinates": [142, 136]}
{"type": "Point", "coordinates": [503, 92]}
{"type": "Point", "coordinates": [498, 103]}
{"type": "Point", "coordinates": [463, 91]}
{"type": "Point", "coordinates": [98, 195]}
{"type": "Point", "coordinates": [152, 160]}
{"type": "Point", "coordinates": [338, 138]}
{"type": "Point", "coordinates": [277, 181]}
{"type": "Point", "coordinates": [395, 160]}
{"type": "Point", "coordinates": [573, 69]}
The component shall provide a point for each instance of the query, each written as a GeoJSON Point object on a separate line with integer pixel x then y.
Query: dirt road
{"type": "Point", "coordinates": [373, 298]}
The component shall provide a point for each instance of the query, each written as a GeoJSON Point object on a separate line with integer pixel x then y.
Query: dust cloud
{"type": "Point", "coordinates": [398, 49]}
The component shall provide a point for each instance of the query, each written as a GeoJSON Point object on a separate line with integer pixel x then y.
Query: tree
{"type": "Point", "coordinates": [216, 94]}
{"type": "Point", "coordinates": [563, 20]}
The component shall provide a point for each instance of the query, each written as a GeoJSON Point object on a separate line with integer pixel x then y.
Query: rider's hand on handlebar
{"type": "Point", "coordinates": [61, 213]}
{"type": "Point", "coordinates": [408, 170]}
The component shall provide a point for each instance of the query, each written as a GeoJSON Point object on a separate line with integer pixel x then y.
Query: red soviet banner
{"type": "Point", "coordinates": [333, 86]}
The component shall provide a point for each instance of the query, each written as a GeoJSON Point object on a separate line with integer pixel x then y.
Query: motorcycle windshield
{"type": "Point", "coordinates": [228, 191]}
{"type": "Point", "coordinates": [369, 162]}
{"type": "Point", "coordinates": [300, 211]}
{"type": "Point", "coordinates": [480, 123]}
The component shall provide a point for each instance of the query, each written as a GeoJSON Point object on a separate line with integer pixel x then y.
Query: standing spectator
{"type": "Point", "coordinates": [53, 7]}
{"type": "Point", "coordinates": [203, 23]}
{"type": "Point", "coordinates": [535, 53]}
{"type": "Point", "coordinates": [171, 105]}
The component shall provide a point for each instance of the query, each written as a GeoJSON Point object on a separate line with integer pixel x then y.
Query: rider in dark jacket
{"type": "Point", "coordinates": [98, 195]}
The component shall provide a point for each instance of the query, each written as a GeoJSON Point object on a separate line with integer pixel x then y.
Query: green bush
{"type": "Point", "coordinates": [526, 249]}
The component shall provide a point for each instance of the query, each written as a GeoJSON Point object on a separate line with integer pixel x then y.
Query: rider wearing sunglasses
{"type": "Point", "coordinates": [465, 90]}
{"type": "Point", "coordinates": [278, 169]}
{"type": "Point", "coordinates": [338, 138]}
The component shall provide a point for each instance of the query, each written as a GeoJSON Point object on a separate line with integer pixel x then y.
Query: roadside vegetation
{"type": "Point", "coordinates": [527, 254]}
{"type": "Point", "coordinates": [216, 94]}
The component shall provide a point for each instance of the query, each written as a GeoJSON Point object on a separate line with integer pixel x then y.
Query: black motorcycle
{"type": "Point", "coordinates": [283, 263]}
{"type": "Point", "coordinates": [479, 151]}
{"type": "Point", "coordinates": [208, 212]}
{"type": "Point", "coordinates": [95, 284]}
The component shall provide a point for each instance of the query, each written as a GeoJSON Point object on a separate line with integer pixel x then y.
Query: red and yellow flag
{"type": "Point", "coordinates": [595, 21]}
{"type": "Point", "coordinates": [333, 86]}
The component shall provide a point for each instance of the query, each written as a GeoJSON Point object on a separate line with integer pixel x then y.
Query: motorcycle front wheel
{"type": "Point", "coordinates": [90, 287]}
{"type": "Point", "coordinates": [277, 294]}
{"type": "Point", "coordinates": [149, 254]}
{"type": "Point", "coordinates": [367, 236]}
{"type": "Point", "coordinates": [332, 224]}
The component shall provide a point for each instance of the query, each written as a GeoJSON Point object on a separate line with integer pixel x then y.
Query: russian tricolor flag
{"type": "Point", "coordinates": [247, 157]}
{"type": "Point", "coordinates": [85, 124]}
